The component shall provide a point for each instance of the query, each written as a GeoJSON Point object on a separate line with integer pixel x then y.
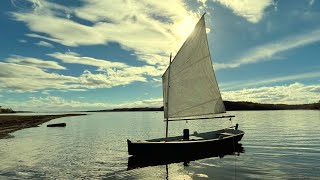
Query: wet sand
{"type": "Point", "coordinates": [11, 123]}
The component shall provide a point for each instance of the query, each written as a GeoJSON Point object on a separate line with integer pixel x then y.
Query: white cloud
{"type": "Point", "coordinates": [252, 10]}
{"type": "Point", "coordinates": [269, 51]}
{"type": "Point", "coordinates": [110, 73]}
{"type": "Point", "coordinates": [74, 58]}
{"type": "Point", "coordinates": [241, 84]}
{"type": "Point", "coordinates": [21, 78]}
{"type": "Point", "coordinates": [295, 93]}
{"type": "Point", "coordinates": [108, 77]}
{"type": "Point", "coordinates": [28, 61]}
{"type": "Point", "coordinates": [22, 40]}
{"type": "Point", "coordinates": [108, 80]}
{"type": "Point", "coordinates": [25, 78]}
{"type": "Point", "coordinates": [62, 30]}
{"type": "Point", "coordinates": [45, 44]}
{"type": "Point", "coordinates": [129, 71]}
{"type": "Point", "coordinates": [152, 102]}
{"type": "Point", "coordinates": [55, 103]}
{"type": "Point", "coordinates": [151, 29]}
{"type": "Point", "coordinates": [30, 74]}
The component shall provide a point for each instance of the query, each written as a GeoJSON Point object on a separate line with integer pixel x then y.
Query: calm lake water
{"type": "Point", "coordinates": [278, 145]}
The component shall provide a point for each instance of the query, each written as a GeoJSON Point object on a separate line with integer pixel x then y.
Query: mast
{"type": "Point", "coordinates": [167, 121]}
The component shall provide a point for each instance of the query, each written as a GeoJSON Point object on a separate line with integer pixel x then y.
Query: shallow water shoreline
{"type": "Point", "coordinates": [12, 123]}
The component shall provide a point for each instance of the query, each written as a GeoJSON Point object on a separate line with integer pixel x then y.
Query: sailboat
{"type": "Point", "coordinates": [190, 92]}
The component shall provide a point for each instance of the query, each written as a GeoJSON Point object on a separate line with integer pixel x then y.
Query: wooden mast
{"type": "Point", "coordinates": [167, 100]}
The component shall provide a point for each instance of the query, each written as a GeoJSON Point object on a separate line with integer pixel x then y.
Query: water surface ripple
{"type": "Point", "coordinates": [278, 145]}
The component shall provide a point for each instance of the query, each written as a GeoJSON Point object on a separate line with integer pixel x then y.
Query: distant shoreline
{"type": "Point", "coordinates": [12, 123]}
{"type": "Point", "coordinates": [230, 106]}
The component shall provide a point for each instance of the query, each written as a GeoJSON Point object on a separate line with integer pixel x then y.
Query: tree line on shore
{"type": "Point", "coordinates": [230, 106]}
{"type": "Point", "coordinates": [6, 110]}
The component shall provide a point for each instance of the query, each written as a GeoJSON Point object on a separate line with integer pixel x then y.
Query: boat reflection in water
{"type": "Point", "coordinates": [146, 161]}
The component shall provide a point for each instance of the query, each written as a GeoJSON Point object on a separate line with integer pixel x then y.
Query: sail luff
{"type": "Point", "coordinates": [167, 104]}
{"type": "Point", "coordinates": [213, 68]}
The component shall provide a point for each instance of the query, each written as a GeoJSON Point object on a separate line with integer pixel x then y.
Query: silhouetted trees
{"type": "Point", "coordinates": [6, 110]}
{"type": "Point", "coordinates": [236, 106]}
{"type": "Point", "coordinates": [231, 106]}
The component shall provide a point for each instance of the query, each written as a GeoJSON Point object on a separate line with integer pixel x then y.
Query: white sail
{"type": "Point", "coordinates": [193, 89]}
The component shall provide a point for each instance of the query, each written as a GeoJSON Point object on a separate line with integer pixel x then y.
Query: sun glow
{"type": "Point", "coordinates": [184, 27]}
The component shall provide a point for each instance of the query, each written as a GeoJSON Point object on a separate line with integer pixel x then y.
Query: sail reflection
{"type": "Point", "coordinates": [146, 161]}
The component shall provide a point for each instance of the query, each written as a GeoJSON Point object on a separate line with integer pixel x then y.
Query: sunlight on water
{"type": "Point", "coordinates": [278, 144]}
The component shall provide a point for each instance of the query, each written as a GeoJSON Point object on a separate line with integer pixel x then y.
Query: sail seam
{"type": "Point", "coordinates": [190, 65]}
{"type": "Point", "coordinates": [195, 49]}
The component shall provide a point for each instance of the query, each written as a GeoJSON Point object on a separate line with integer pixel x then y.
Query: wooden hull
{"type": "Point", "coordinates": [174, 146]}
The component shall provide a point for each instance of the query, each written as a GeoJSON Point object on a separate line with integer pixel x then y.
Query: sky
{"type": "Point", "coordinates": [58, 55]}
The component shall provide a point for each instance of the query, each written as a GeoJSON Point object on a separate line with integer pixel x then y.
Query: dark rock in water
{"type": "Point", "coordinates": [57, 125]}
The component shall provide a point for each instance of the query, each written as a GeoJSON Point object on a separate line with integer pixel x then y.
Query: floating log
{"type": "Point", "coordinates": [57, 125]}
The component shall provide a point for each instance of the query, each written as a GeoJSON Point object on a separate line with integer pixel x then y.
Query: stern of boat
{"type": "Point", "coordinates": [236, 133]}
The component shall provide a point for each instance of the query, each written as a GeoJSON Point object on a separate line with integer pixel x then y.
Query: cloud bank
{"type": "Point", "coordinates": [26, 74]}
{"type": "Point", "coordinates": [296, 93]}
{"type": "Point", "coordinates": [23, 78]}
{"type": "Point", "coordinates": [56, 103]}
{"type": "Point", "coordinates": [151, 29]}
